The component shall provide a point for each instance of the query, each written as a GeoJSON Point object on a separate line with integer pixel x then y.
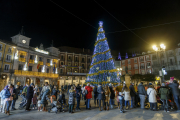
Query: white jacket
{"type": "Point", "coordinates": [127, 96]}
{"type": "Point", "coordinates": [152, 95]}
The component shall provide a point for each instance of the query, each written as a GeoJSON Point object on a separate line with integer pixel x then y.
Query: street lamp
{"type": "Point", "coordinates": [159, 49]}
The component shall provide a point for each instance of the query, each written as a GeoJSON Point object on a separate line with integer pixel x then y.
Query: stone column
{"type": "Point", "coordinates": [127, 80]}
{"type": "Point", "coordinates": [78, 80]}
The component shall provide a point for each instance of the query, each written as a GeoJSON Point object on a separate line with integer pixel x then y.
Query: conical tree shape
{"type": "Point", "coordinates": [102, 67]}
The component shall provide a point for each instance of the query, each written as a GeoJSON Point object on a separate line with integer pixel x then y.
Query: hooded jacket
{"type": "Point", "coordinates": [89, 89]}
{"type": "Point", "coordinates": [151, 92]}
{"type": "Point", "coordinates": [30, 92]}
{"type": "Point", "coordinates": [100, 95]}
{"type": "Point", "coordinates": [132, 91]}
{"type": "Point", "coordinates": [141, 89]}
{"type": "Point", "coordinates": [175, 89]}
{"type": "Point", "coordinates": [71, 97]}
{"type": "Point", "coordinates": [164, 92]}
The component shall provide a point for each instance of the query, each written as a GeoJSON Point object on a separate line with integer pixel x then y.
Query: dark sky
{"type": "Point", "coordinates": [44, 21]}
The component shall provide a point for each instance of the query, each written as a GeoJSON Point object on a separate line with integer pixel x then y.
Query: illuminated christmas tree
{"type": "Point", "coordinates": [102, 67]}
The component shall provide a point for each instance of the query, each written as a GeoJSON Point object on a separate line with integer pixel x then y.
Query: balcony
{"type": "Point", "coordinates": [22, 59]}
{"type": "Point", "coordinates": [31, 61]}
{"type": "Point", "coordinates": [76, 61]}
{"type": "Point", "coordinates": [8, 60]}
{"type": "Point", "coordinates": [37, 74]}
{"type": "Point", "coordinates": [41, 63]}
{"type": "Point", "coordinates": [48, 64]}
{"type": "Point", "coordinates": [148, 66]}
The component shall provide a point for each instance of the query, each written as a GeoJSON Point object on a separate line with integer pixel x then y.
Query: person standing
{"type": "Point", "coordinates": [24, 92]}
{"type": "Point", "coordinates": [2, 96]}
{"type": "Point", "coordinates": [100, 95]}
{"type": "Point", "coordinates": [69, 87]}
{"type": "Point", "coordinates": [95, 95]}
{"type": "Point", "coordinates": [71, 101]}
{"type": "Point", "coordinates": [55, 91]}
{"type": "Point", "coordinates": [118, 89]}
{"type": "Point", "coordinates": [9, 98]}
{"type": "Point", "coordinates": [142, 94]}
{"type": "Point", "coordinates": [151, 92]}
{"type": "Point", "coordinates": [175, 91]}
{"type": "Point", "coordinates": [45, 88]}
{"type": "Point", "coordinates": [112, 95]}
{"type": "Point", "coordinates": [127, 96]}
{"type": "Point", "coordinates": [106, 101]}
{"type": "Point", "coordinates": [78, 96]}
{"type": "Point", "coordinates": [89, 90]}
{"type": "Point", "coordinates": [29, 96]}
{"type": "Point", "coordinates": [15, 97]}
{"type": "Point", "coordinates": [133, 94]}
{"type": "Point", "coordinates": [164, 93]}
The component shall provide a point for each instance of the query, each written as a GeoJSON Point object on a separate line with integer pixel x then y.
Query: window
{"type": "Point", "coordinates": [9, 50]}
{"type": "Point", "coordinates": [82, 59]}
{"type": "Point", "coordinates": [75, 71]}
{"type": "Point", "coordinates": [69, 70]}
{"type": "Point", "coordinates": [6, 67]}
{"type": "Point", "coordinates": [129, 61]}
{"type": "Point", "coordinates": [62, 57]}
{"type": "Point", "coordinates": [148, 64]}
{"type": "Point", "coordinates": [123, 68]}
{"type": "Point", "coordinates": [136, 66]}
{"type": "Point", "coordinates": [135, 60]}
{"type": "Point", "coordinates": [136, 71]}
{"type": "Point", "coordinates": [82, 71]}
{"type": "Point", "coordinates": [69, 64]}
{"type": "Point", "coordinates": [48, 60]}
{"type": "Point", "coordinates": [129, 67]}
{"type": "Point", "coordinates": [69, 57]}
{"type": "Point", "coordinates": [31, 57]}
{"type": "Point", "coordinates": [20, 67]}
{"type": "Point", "coordinates": [171, 62]}
{"type": "Point", "coordinates": [147, 57]}
{"type": "Point", "coordinates": [89, 60]}
{"type": "Point", "coordinates": [40, 58]}
{"type": "Point", "coordinates": [76, 59]}
{"type": "Point", "coordinates": [75, 64]}
{"type": "Point", "coordinates": [0, 55]}
{"type": "Point", "coordinates": [61, 63]}
{"type": "Point", "coordinates": [82, 65]}
{"type": "Point", "coordinates": [47, 71]}
{"type": "Point", "coordinates": [141, 59]}
{"type": "Point", "coordinates": [8, 58]}
{"type": "Point", "coordinates": [0, 47]}
{"type": "Point", "coordinates": [123, 62]}
{"type": "Point", "coordinates": [30, 68]}
{"type": "Point", "coordinates": [143, 72]}
{"type": "Point", "coordinates": [129, 72]}
{"type": "Point", "coordinates": [39, 70]}
{"type": "Point", "coordinates": [61, 70]}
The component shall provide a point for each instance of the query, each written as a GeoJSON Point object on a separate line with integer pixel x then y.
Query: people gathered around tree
{"type": "Point", "coordinates": [70, 97]}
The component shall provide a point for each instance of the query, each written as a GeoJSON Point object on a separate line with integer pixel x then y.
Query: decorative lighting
{"type": "Point", "coordinates": [163, 46]}
{"type": "Point", "coordinates": [4, 76]}
{"type": "Point", "coordinates": [118, 69]}
{"type": "Point", "coordinates": [41, 51]}
{"type": "Point", "coordinates": [43, 69]}
{"type": "Point", "coordinates": [25, 66]}
{"type": "Point", "coordinates": [51, 63]}
{"type": "Point", "coordinates": [56, 71]}
{"type": "Point", "coordinates": [36, 59]}
{"type": "Point", "coordinates": [16, 55]}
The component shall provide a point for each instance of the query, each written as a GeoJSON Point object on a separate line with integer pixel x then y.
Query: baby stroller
{"type": "Point", "coordinates": [22, 103]}
{"type": "Point", "coordinates": [146, 103]}
{"type": "Point", "coordinates": [55, 106]}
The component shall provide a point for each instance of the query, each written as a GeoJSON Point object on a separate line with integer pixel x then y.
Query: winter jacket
{"type": "Point", "coordinates": [45, 88]}
{"type": "Point", "coordinates": [164, 92]}
{"type": "Point", "coordinates": [30, 92]}
{"type": "Point", "coordinates": [132, 91]}
{"type": "Point", "coordinates": [141, 89]}
{"type": "Point", "coordinates": [2, 94]}
{"type": "Point", "coordinates": [89, 89]}
{"type": "Point", "coordinates": [151, 92]}
{"type": "Point", "coordinates": [7, 93]}
{"type": "Point", "coordinates": [112, 94]}
{"type": "Point", "coordinates": [54, 92]}
{"type": "Point", "coordinates": [78, 95]}
{"type": "Point", "coordinates": [100, 95]}
{"type": "Point", "coordinates": [15, 97]}
{"type": "Point", "coordinates": [24, 90]}
{"type": "Point", "coordinates": [62, 98]}
{"type": "Point", "coordinates": [44, 97]}
{"type": "Point", "coordinates": [65, 87]}
{"type": "Point", "coordinates": [127, 96]}
{"type": "Point", "coordinates": [95, 92]}
{"type": "Point", "coordinates": [174, 87]}
{"type": "Point", "coordinates": [107, 97]}
{"type": "Point", "coordinates": [71, 97]}
{"type": "Point", "coordinates": [69, 87]}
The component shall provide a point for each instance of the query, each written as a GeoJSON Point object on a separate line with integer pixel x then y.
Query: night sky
{"type": "Point", "coordinates": [44, 21]}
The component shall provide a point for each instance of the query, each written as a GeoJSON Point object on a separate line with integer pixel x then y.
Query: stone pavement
{"type": "Point", "coordinates": [93, 114]}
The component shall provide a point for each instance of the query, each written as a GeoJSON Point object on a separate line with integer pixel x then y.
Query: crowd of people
{"type": "Point", "coordinates": [166, 96]}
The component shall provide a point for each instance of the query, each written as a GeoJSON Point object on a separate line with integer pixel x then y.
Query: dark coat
{"type": "Point", "coordinates": [62, 98]}
{"type": "Point", "coordinates": [54, 92]}
{"type": "Point", "coordinates": [141, 89]}
{"type": "Point", "coordinates": [174, 87]}
{"type": "Point", "coordinates": [95, 92]}
{"type": "Point", "coordinates": [7, 93]}
{"type": "Point", "coordinates": [164, 92]}
{"type": "Point", "coordinates": [78, 95]}
{"type": "Point", "coordinates": [112, 94]}
{"type": "Point", "coordinates": [100, 95]}
{"type": "Point", "coordinates": [44, 97]}
{"type": "Point", "coordinates": [69, 87]}
{"type": "Point", "coordinates": [30, 92]}
{"type": "Point", "coordinates": [132, 91]}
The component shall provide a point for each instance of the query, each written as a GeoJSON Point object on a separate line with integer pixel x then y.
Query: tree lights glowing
{"type": "Point", "coordinates": [102, 67]}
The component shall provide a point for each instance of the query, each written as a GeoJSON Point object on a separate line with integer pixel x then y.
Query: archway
{"type": "Point", "coordinates": [28, 80]}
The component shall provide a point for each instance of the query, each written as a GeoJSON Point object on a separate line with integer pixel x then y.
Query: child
{"type": "Point", "coordinates": [34, 101]}
{"type": "Point", "coordinates": [39, 104]}
{"type": "Point", "coordinates": [71, 100]}
{"type": "Point", "coordinates": [121, 101]}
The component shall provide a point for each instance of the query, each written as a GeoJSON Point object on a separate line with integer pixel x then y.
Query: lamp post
{"type": "Point", "coordinates": [160, 49]}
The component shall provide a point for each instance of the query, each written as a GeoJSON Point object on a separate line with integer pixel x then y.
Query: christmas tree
{"type": "Point", "coordinates": [102, 67]}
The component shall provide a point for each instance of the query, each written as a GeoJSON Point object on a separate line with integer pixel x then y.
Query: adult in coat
{"type": "Point", "coordinates": [164, 93]}
{"type": "Point", "coordinates": [95, 95]}
{"type": "Point", "coordinates": [133, 94]}
{"type": "Point", "coordinates": [55, 91]}
{"type": "Point", "coordinates": [71, 101]}
{"type": "Point", "coordinates": [127, 96]}
{"type": "Point", "coordinates": [101, 95]}
{"type": "Point", "coordinates": [142, 94]}
{"type": "Point", "coordinates": [88, 95]}
{"type": "Point", "coordinates": [15, 97]}
{"type": "Point", "coordinates": [8, 94]}
{"type": "Point", "coordinates": [151, 92]}
{"type": "Point", "coordinates": [107, 98]}
{"type": "Point", "coordinates": [175, 91]}
{"type": "Point", "coordinates": [44, 99]}
{"type": "Point", "coordinates": [78, 96]}
{"type": "Point", "coordinates": [29, 96]}
{"type": "Point", "coordinates": [112, 95]}
{"type": "Point", "coordinates": [2, 96]}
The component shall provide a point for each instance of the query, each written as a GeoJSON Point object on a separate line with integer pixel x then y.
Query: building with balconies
{"type": "Point", "coordinates": [74, 65]}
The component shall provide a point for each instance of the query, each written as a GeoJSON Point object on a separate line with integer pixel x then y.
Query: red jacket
{"type": "Point", "coordinates": [89, 89]}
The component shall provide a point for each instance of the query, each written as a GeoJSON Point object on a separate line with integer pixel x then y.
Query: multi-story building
{"type": "Point", "coordinates": [25, 64]}
{"type": "Point", "coordinates": [74, 65]}
{"type": "Point", "coordinates": [7, 50]}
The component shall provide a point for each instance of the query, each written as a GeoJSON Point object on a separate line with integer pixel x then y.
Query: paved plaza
{"type": "Point", "coordinates": [93, 114]}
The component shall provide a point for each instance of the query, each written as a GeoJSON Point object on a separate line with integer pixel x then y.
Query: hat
{"type": "Point", "coordinates": [163, 84]}
{"type": "Point", "coordinates": [32, 84]}
{"type": "Point", "coordinates": [150, 83]}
